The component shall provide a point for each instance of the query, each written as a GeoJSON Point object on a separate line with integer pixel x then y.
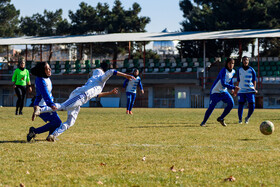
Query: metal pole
{"type": "Point", "coordinates": [144, 57]}
{"type": "Point", "coordinates": [204, 63]}
{"type": "Point", "coordinates": [258, 63]}
{"type": "Point", "coordinates": [26, 52]}
{"type": "Point", "coordinates": [41, 51]}
{"type": "Point", "coordinates": [7, 51]}
{"type": "Point", "coordinates": [129, 49]}
{"type": "Point", "coordinates": [91, 54]}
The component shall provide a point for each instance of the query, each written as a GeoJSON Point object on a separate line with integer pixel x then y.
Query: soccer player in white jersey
{"type": "Point", "coordinates": [81, 95]}
{"type": "Point", "coordinates": [219, 92]}
{"type": "Point", "coordinates": [246, 80]}
{"type": "Point", "coordinates": [131, 88]}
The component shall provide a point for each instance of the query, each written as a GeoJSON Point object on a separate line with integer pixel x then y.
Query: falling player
{"type": "Point", "coordinates": [246, 80]}
{"type": "Point", "coordinates": [81, 95]}
{"type": "Point", "coordinates": [219, 92]}
{"type": "Point", "coordinates": [131, 88]}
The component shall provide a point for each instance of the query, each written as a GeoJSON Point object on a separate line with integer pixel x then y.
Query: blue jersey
{"type": "Point", "coordinates": [131, 86]}
{"type": "Point", "coordinates": [43, 92]}
{"type": "Point", "coordinates": [246, 79]}
{"type": "Point", "coordinates": [223, 81]}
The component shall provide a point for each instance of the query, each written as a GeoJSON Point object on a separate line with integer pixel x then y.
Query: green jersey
{"type": "Point", "coordinates": [21, 77]}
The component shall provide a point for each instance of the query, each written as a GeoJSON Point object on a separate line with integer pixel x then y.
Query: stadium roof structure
{"type": "Point", "coordinates": [128, 37]}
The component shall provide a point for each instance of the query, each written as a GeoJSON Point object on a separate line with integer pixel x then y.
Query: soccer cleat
{"type": "Point", "coordinates": [222, 121]}
{"type": "Point", "coordinates": [130, 112]}
{"type": "Point", "coordinates": [36, 112]}
{"type": "Point", "coordinates": [203, 125]}
{"type": "Point", "coordinates": [127, 112]}
{"type": "Point", "coordinates": [20, 113]}
{"type": "Point", "coordinates": [31, 134]}
{"type": "Point", "coordinates": [51, 138]}
{"type": "Point", "coordinates": [246, 120]}
{"type": "Point", "coordinates": [240, 122]}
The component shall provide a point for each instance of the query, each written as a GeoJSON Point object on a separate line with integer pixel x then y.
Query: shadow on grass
{"type": "Point", "coordinates": [20, 141]}
{"type": "Point", "coordinates": [163, 126]}
{"type": "Point", "coordinates": [247, 139]}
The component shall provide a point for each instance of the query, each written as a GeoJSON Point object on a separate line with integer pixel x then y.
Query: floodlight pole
{"type": "Point", "coordinates": [204, 63]}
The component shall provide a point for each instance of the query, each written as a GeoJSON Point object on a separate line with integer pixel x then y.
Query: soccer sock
{"type": "Point", "coordinates": [251, 109]}
{"type": "Point", "coordinates": [240, 110]}
{"type": "Point", "coordinates": [227, 110]}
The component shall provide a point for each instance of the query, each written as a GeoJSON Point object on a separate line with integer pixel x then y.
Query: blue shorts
{"type": "Point", "coordinates": [243, 97]}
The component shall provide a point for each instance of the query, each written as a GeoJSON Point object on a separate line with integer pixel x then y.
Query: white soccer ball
{"type": "Point", "coordinates": [267, 127]}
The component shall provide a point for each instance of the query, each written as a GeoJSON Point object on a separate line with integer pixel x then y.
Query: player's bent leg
{"type": "Point", "coordinates": [214, 99]}
{"type": "Point", "coordinates": [226, 98]}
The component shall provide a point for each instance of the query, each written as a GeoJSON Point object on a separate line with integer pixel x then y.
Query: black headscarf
{"type": "Point", "coordinates": [135, 69]}
{"type": "Point", "coordinates": [39, 70]}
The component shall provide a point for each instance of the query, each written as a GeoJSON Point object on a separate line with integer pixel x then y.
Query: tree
{"type": "Point", "coordinates": [48, 24]}
{"type": "Point", "coordinates": [213, 15]}
{"type": "Point", "coordinates": [100, 19]}
{"type": "Point", "coordinates": [8, 19]}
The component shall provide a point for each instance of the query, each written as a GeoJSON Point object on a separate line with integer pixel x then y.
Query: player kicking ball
{"type": "Point", "coordinates": [219, 92]}
{"type": "Point", "coordinates": [81, 95]}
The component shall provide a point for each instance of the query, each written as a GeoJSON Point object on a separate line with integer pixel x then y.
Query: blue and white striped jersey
{"type": "Point", "coordinates": [43, 92]}
{"type": "Point", "coordinates": [246, 79]}
{"type": "Point", "coordinates": [132, 85]}
{"type": "Point", "coordinates": [223, 82]}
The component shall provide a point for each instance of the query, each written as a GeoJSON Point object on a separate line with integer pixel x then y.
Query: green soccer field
{"type": "Point", "coordinates": [107, 147]}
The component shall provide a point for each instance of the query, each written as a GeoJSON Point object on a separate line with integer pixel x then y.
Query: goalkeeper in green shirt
{"type": "Point", "coordinates": [20, 80]}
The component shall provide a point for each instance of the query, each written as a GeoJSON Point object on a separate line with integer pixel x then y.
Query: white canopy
{"type": "Point", "coordinates": [126, 37]}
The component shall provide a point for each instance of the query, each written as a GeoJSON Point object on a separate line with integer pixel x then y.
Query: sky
{"type": "Point", "coordinates": [163, 13]}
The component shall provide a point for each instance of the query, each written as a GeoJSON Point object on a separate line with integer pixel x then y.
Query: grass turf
{"type": "Point", "coordinates": [106, 146]}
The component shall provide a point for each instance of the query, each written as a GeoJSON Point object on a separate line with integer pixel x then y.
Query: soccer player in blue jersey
{"type": "Point", "coordinates": [219, 92]}
{"type": "Point", "coordinates": [131, 88]}
{"type": "Point", "coordinates": [44, 97]}
{"type": "Point", "coordinates": [246, 80]}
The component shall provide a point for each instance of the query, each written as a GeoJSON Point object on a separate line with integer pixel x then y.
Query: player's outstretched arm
{"type": "Point", "coordinates": [129, 77]}
{"type": "Point", "coordinates": [114, 91]}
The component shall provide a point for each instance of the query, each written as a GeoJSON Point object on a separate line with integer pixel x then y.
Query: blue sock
{"type": "Point", "coordinates": [240, 110]}
{"type": "Point", "coordinates": [251, 109]}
